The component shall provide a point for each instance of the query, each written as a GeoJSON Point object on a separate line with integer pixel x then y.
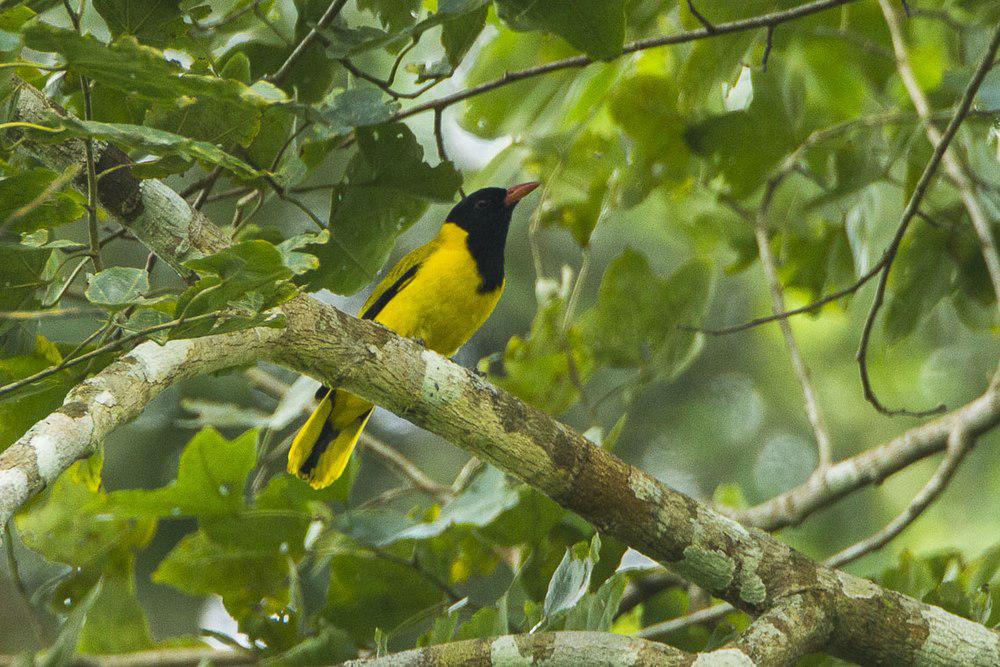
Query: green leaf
{"type": "Point", "coordinates": [150, 140]}
{"type": "Point", "coordinates": [597, 611]}
{"type": "Point", "coordinates": [482, 502]}
{"type": "Point", "coordinates": [19, 411]}
{"type": "Point", "coordinates": [199, 566]}
{"type": "Point", "coordinates": [73, 525]}
{"type": "Point", "coordinates": [62, 651]}
{"type": "Point", "coordinates": [362, 106]}
{"type": "Point", "coordinates": [116, 623]}
{"type": "Point", "coordinates": [241, 283]}
{"type": "Point", "coordinates": [210, 480]}
{"type": "Point", "coordinates": [768, 124]}
{"type": "Point", "coordinates": [331, 646]}
{"type": "Point", "coordinates": [460, 33]}
{"type": "Point", "coordinates": [387, 189]}
{"type": "Point", "coordinates": [117, 287]}
{"type": "Point", "coordinates": [143, 71]}
{"type": "Point", "coordinates": [921, 276]}
{"type": "Point", "coordinates": [27, 204]}
{"type": "Point", "coordinates": [150, 21]}
{"type": "Point", "coordinates": [367, 591]}
{"type": "Point", "coordinates": [571, 579]}
{"type": "Point", "coordinates": [645, 107]}
{"type": "Point", "coordinates": [596, 27]}
{"type": "Point", "coordinates": [547, 367]}
{"type": "Point", "coordinates": [395, 15]}
{"type": "Point", "coordinates": [630, 327]}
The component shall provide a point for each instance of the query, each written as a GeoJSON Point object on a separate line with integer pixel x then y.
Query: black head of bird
{"type": "Point", "coordinates": [487, 212]}
{"type": "Point", "coordinates": [485, 217]}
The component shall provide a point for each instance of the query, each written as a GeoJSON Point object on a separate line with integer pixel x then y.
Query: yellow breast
{"type": "Point", "coordinates": [442, 305]}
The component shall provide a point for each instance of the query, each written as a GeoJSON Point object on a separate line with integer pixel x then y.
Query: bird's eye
{"type": "Point", "coordinates": [482, 203]}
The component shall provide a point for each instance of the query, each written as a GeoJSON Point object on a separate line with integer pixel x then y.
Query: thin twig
{"type": "Point", "coordinates": [958, 446]}
{"type": "Point", "coordinates": [698, 15]}
{"type": "Point", "coordinates": [405, 467]}
{"type": "Point", "coordinates": [707, 615]}
{"type": "Point", "coordinates": [786, 167]}
{"type": "Point", "coordinates": [914, 204]}
{"type": "Point", "coordinates": [88, 143]}
{"type": "Point", "coordinates": [957, 171]}
{"type": "Point", "coordinates": [813, 412]}
{"type": "Point", "coordinates": [108, 347]}
{"type": "Point", "coordinates": [328, 17]}
{"type": "Point", "coordinates": [206, 188]}
{"type": "Point", "coordinates": [439, 139]}
{"type": "Point", "coordinates": [754, 22]}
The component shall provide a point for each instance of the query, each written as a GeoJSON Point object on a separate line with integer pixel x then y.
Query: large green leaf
{"type": "Point", "coordinates": [596, 27]}
{"type": "Point", "coordinates": [116, 623]}
{"type": "Point", "coordinates": [150, 21]}
{"type": "Point", "coordinates": [368, 592]}
{"type": "Point", "coordinates": [388, 187]}
{"type": "Point", "coordinates": [151, 140]}
{"type": "Point", "coordinates": [241, 283]}
{"type": "Point", "coordinates": [210, 480]}
{"type": "Point", "coordinates": [200, 566]}
{"type": "Point", "coordinates": [630, 327]}
{"type": "Point", "coordinates": [117, 286]}
{"type": "Point", "coordinates": [143, 71]}
{"type": "Point", "coordinates": [769, 125]}
{"type": "Point", "coordinates": [548, 367]}
{"type": "Point", "coordinates": [33, 199]}
{"type": "Point", "coordinates": [72, 524]}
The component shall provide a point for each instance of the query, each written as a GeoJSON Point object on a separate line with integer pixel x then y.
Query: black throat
{"type": "Point", "coordinates": [486, 245]}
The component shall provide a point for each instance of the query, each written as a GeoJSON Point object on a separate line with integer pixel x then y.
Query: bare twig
{"type": "Point", "coordinates": [328, 17]}
{"type": "Point", "coordinates": [958, 172]}
{"type": "Point", "coordinates": [707, 615]}
{"type": "Point", "coordinates": [813, 411]}
{"type": "Point", "coordinates": [405, 467]}
{"type": "Point", "coordinates": [752, 23]}
{"type": "Point", "coordinates": [698, 15]}
{"type": "Point", "coordinates": [88, 142]}
{"type": "Point", "coordinates": [909, 212]}
{"type": "Point", "coordinates": [439, 139]}
{"type": "Point", "coordinates": [875, 464]}
{"type": "Point", "coordinates": [108, 347]}
{"type": "Point", "coordinates": [959, 445]}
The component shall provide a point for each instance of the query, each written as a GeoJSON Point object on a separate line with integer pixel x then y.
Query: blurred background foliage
{"type": "Point", "coordinates": [187, 527]}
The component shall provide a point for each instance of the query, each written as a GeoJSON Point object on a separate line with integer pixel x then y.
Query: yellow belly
{"type": "Point", "coordinates": [442, 305]}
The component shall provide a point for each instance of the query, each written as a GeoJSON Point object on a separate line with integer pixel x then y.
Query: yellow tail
{"type": "Point", "coordinates": [323, 446]}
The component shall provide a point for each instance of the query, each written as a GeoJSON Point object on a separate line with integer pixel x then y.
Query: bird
{"type": "Point", "coordinates": [439, 294]}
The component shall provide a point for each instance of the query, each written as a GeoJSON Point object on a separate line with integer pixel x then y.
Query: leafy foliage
{"type": "Point", "coordinates": [654, 168]}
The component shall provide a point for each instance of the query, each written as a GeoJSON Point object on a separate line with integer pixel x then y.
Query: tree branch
{"type": "Point", "coordinates": [953, 168]}
{"type": "Point", "coordinates": [876, 464]}
{"type": "Point", "coordinates": [744, 566]}
{"type": "Point", "coordinates": [958, 447]}
{"type": "Point", "coordinates": [813, 412]}
{"type": "Point", "coordinates": [549, 648]}
{"type": "Point", "coordinates": [940, 148]}
{"type": "Point", "coordinates": [752, 23]}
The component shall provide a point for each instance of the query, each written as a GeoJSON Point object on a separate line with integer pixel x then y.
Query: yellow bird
{"type": "Point", "coordinates": [440, 294]}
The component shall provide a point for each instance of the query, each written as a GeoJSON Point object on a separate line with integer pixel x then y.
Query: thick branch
{"type": "Point", "coordinates": [555, 649]}
{"type": "Point", "coordinates": [876, 464]}
{"type": "Point", "coordinates": [744, 566]}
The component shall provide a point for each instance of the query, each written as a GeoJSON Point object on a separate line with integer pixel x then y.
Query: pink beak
{"type": "Point", "coordinates": [519, 192]}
